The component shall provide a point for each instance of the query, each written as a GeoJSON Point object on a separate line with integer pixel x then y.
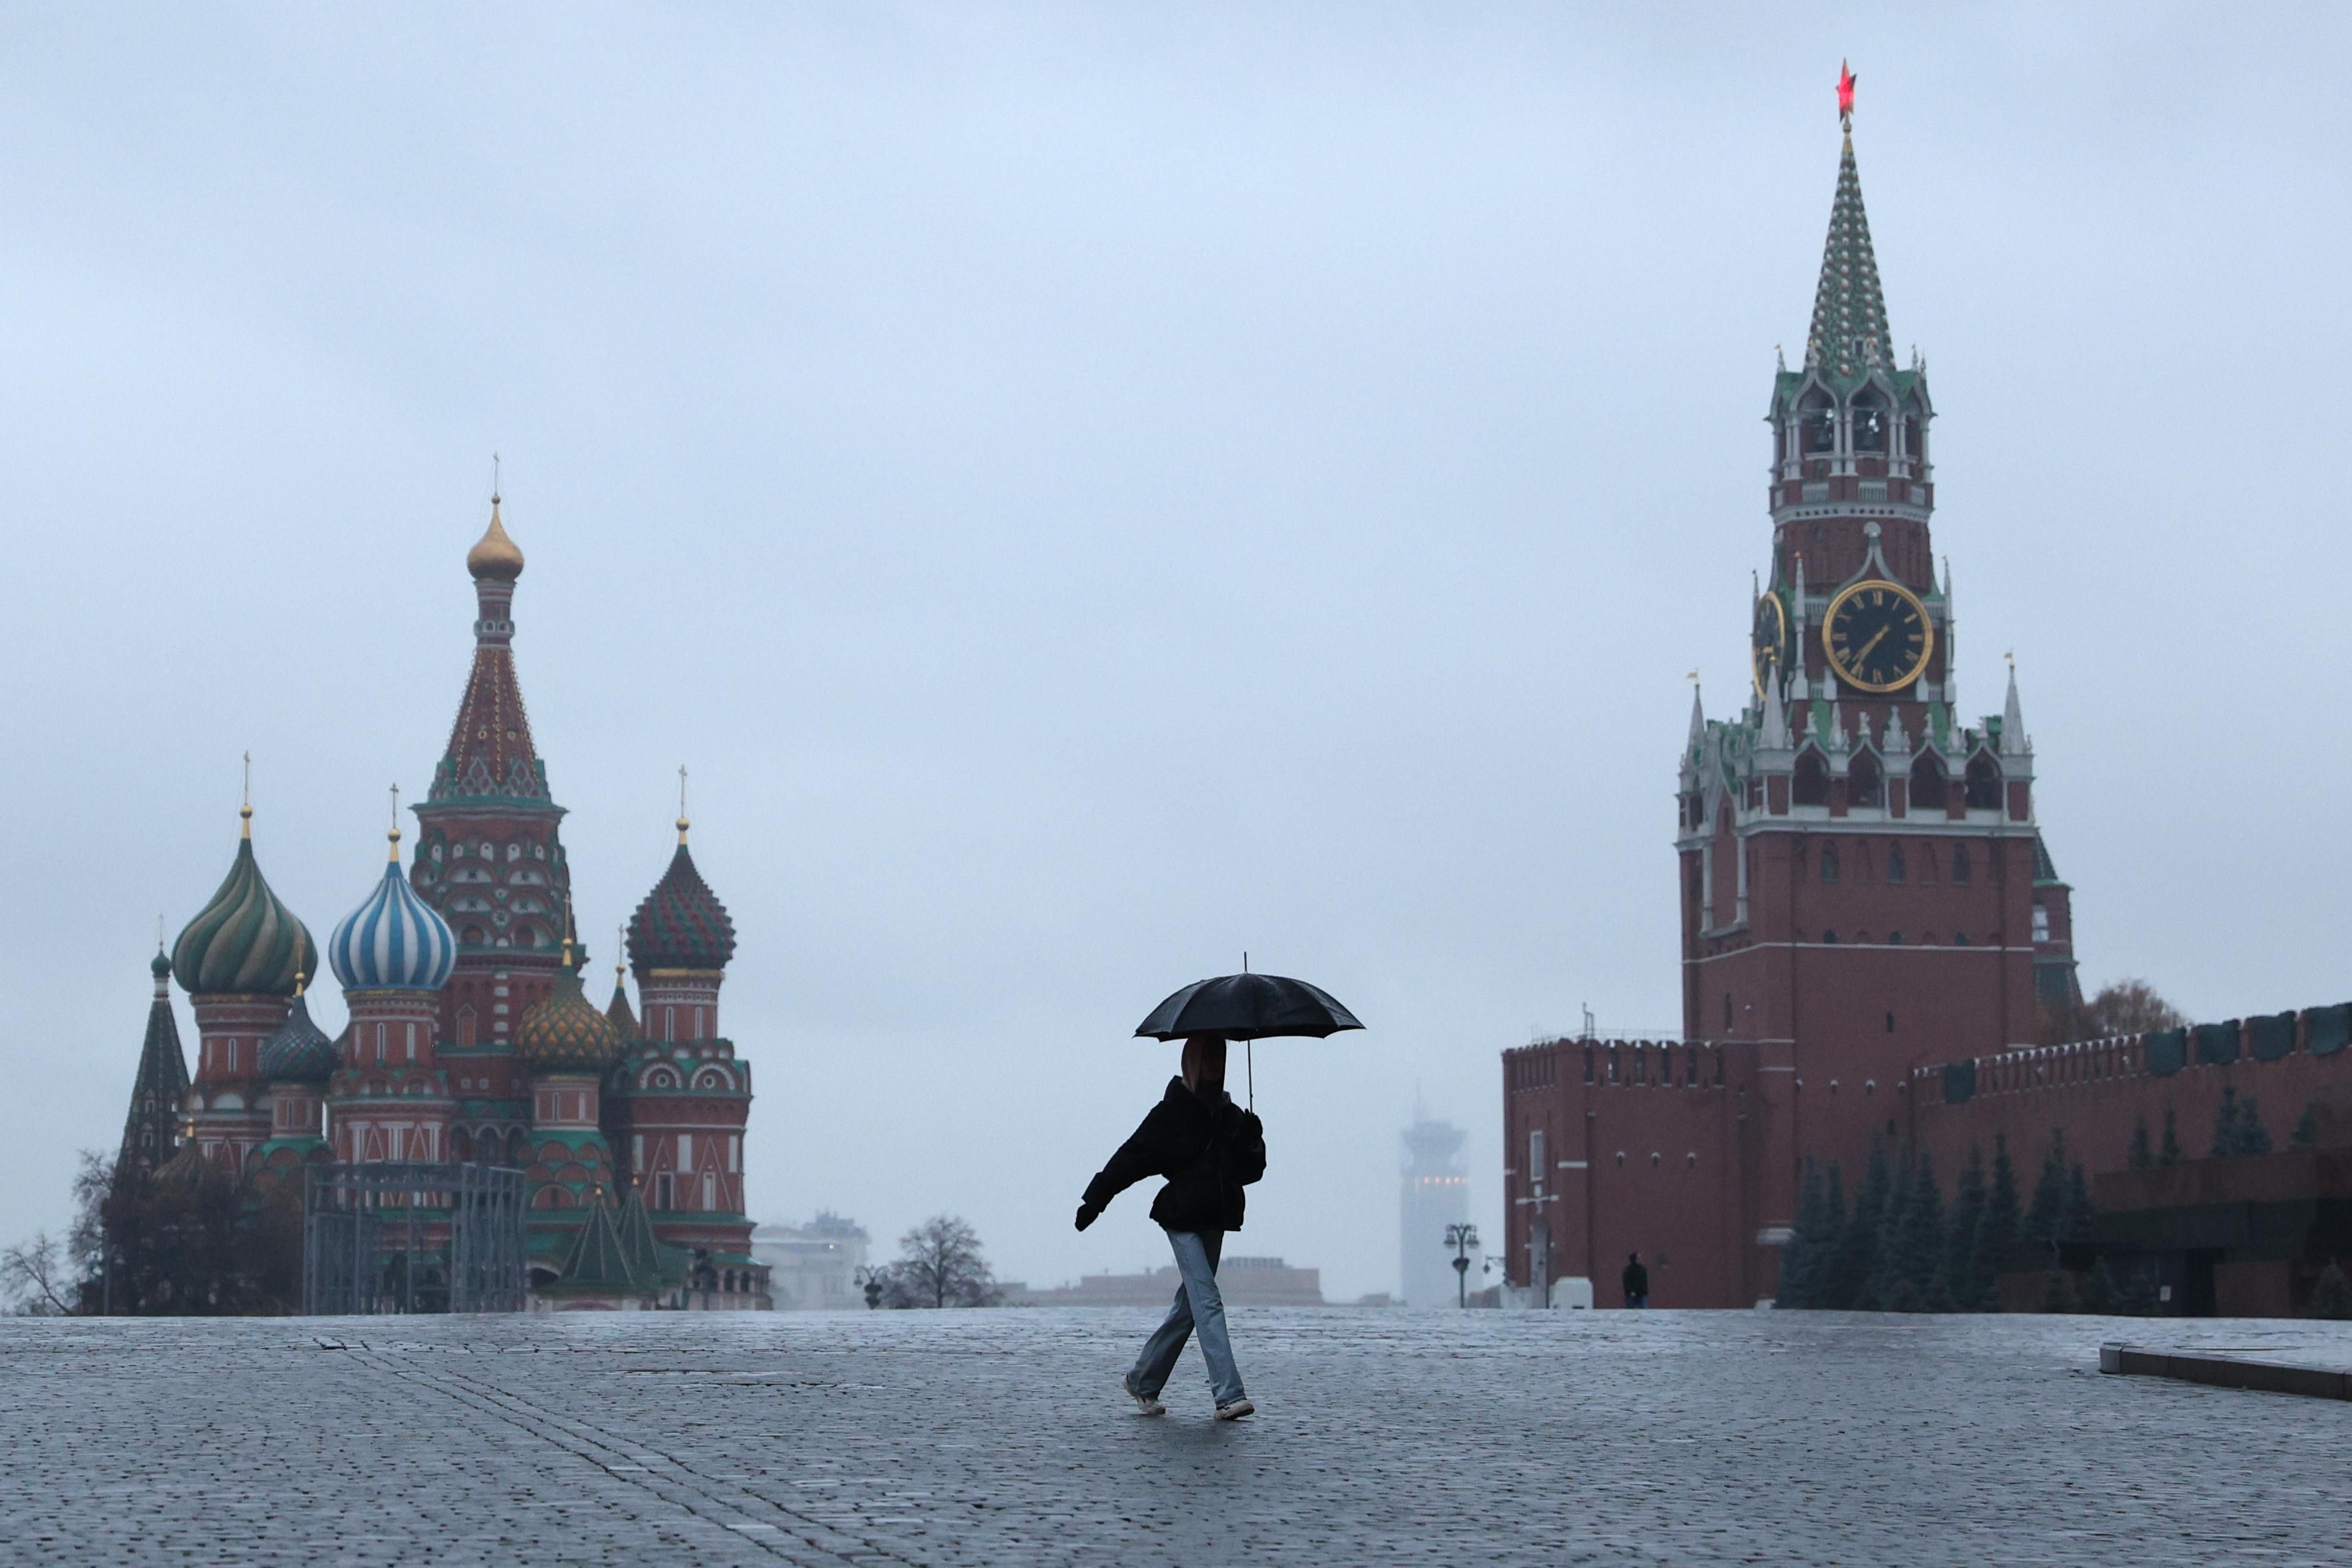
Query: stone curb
{"type": "Point", "coordinates": [2225, 1372]}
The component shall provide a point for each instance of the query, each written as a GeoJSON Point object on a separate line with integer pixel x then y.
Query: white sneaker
{"type": "Point", "coordinates": [1145, 1404]}
{"type": "Point", "coordinates": [1236, 1410]}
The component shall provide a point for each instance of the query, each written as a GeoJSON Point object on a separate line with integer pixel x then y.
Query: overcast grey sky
{"type": "Point", "coordinates": [1092, 490]}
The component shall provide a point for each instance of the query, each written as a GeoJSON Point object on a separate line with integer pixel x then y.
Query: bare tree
{"type": "Point", "coordinates": [35, 1278]}
{"type": "Point", "coordinates": [2131, 1007]}
{"type": "Point", "coordinates": [939, 1264]}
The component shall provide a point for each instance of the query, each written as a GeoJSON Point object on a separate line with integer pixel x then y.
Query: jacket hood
{"type": "Point", "coordinates": [1180, 1094]}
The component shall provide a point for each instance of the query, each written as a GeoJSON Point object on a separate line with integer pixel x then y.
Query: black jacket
{"type": "Point", "coordinates": [1636, 1279]}
{"type": "Point", "coordinates": [1207, 1152]}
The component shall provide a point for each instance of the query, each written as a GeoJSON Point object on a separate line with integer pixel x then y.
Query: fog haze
{"type": "Point", "coordinates": [1092, 491]}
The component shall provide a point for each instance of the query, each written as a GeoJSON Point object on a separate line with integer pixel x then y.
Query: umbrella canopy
{"type": "Point", "coordinates": [1247, 1007]}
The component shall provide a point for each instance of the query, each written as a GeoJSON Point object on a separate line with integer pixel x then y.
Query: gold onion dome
{"type": "Point", "coordinates": [566, 1033]}
{"type": "Point", "coordinates": [493, 554]}
{"type": "Point", "coordinates": [244, 942]}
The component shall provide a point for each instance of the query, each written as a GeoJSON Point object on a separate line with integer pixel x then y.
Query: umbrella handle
{"type": "Point", "coordinates": [1249, 1066]}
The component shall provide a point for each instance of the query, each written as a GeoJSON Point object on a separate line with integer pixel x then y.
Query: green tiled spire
{"type": "Point", "coordinates": [150, 1131]}
{"type": "Point", "coordinates": [1849, 334]}
{"type": "Point", "coordinates": [598, 1261]}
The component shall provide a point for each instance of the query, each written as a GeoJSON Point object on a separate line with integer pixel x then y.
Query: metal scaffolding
{"type": "Point", "coordinates": [412, 1236]}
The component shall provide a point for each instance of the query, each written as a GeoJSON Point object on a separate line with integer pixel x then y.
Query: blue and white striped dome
{"type": "Point", "coordinates": [393, 942]}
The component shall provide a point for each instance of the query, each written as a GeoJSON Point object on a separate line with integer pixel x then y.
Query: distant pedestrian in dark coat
{"type": "Point", "coordinates": [1209, 1149]}
{"type": "Point", "coordinates": [1636, 1281]}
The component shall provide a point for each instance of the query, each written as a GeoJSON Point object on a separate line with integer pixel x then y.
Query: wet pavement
{"type": "Point", "coordinates": [1002, 1437]}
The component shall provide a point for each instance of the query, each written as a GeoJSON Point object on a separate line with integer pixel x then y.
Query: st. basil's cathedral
{"type": "Point", "coordinates": [471, 1040]}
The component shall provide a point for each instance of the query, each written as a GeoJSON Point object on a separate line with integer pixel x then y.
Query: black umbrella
{"type": "Point", "coordinates": [1247, 1007]}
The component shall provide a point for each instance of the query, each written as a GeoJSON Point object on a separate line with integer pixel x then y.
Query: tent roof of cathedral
{"type": "Point", "coordinates": [598, 1262]}
{"type": "Point", "coordinates": [300, 1052]}
{"type": "Point", "coordinates": [244, 941]}
{"type": "Point", "coordinates": [618, 1013]}
{"type": "Point", "coordinates": [648, 1259]}
{"type": "Point", "coordinates": [681, 924]}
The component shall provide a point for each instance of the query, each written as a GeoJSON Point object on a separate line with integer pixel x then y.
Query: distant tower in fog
{"type": "Point", "coordinates": [1435, 1193]}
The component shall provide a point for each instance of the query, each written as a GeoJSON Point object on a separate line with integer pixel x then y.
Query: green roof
{"type": "Point", "coordinates": [1849, 336]}
{"type": "Point", "coordinates": [598, 1261]}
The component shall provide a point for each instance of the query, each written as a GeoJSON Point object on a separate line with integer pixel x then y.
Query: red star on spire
{"type": "Point", "coordinates": [1846, 94]}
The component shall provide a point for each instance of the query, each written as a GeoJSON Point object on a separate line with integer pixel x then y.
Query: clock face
{"type": "Point", "coordinates": [1768, 648]}
{"type": "Point", "coordinates": [1877, 636]}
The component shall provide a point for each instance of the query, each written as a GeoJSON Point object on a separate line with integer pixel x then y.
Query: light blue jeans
{"type": "Point", "coordinates": [1198, 1306]}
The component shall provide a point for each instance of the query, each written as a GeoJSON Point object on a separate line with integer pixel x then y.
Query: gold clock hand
{"type": "Point", "coordinates": [1867, 647]}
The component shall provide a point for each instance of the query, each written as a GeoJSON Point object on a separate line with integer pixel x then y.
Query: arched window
{"type": "Point", "coordinates": [1829, 937]}
{"type": "Point", "coordinates": [1960, 939]}
{"type": "Point", "coordinates": [1895, 870]}
{"type": "Point", "coordinates": [1865, 781]}
{"type": "Point", "coordinates": [1960, 866]}
{"type": "Point", "coordinates": [1816, 424]}
{"type": "Point", "coordinates": [1871, 421]}
{"type": "Point", "coordinates": [1983, 783]}
{"type": "Point", "coordinates": [1928, 786]}
{"type": "Point", "coordinates": [1813, 783]}
{"type": "Point", "coordinates": [1829, 863]}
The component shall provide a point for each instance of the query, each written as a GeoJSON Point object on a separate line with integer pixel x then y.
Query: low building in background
{"type": "Point", "coordinates": [814, 1266]}
{"type": "Point", "coordinates": [1244, 1283]}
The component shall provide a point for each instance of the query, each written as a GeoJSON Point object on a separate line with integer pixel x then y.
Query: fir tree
{"type": "Point", "coordinates": [1996, 1228]}
{"type": "Point", "coordinates": [2169, 1154]}
{"type": "Point", "coordinates": [2100, 1293]}
{"type": "Point", "coordinates": [2306, 1128]}
{"type": "Point", "coordinates": [2044, 1219]}
{"type": "Point", "coordinates": [1808, 1242]}
{"type": "Point", "coordinates": [2141, 1156]}
{"type": "Point", "coordinates": [2076, 1222]}
{"type": "Point", "coordinates": [1825, 1280]}
{"type": "Point", "coordinates": [2252, 1137]}
{"type": "Point", "coordinates": [1918, 1245]}
{"type": "Point", "coordinates": [1888, 1291]}
{"type": "Point", "coordinates": [2058, 1293]}
{"type": "Point", "coordinates": [1858, 1239]}
{"type": "Point", "coordinates": [1964, 1291]}
{"type": "Point", "coordinates": [2225, 1126]}
{"type": "Point", "coordinates": [2332, 1296]}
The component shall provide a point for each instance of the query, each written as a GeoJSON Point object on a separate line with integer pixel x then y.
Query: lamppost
{"type": "Point", "coordinates": [869, 1279]}
{"type": "Point", "coordinates": [1461, 1237]}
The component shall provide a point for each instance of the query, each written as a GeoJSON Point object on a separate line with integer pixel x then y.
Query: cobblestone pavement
{"type": "Point", "coordinates": [1002, 1437]}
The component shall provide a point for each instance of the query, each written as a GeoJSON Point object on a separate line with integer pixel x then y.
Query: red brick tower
{"type": "Point", "coordinates": [489, 859]}
{"type": "Point", "coordinates": [1858, 865]}
{"type": "Point", "coordinates": [679, 1126]}
{"type": "Point", "coordinates": [240, 960]}
{"type": "Point", "coordinates": [390, 1098]}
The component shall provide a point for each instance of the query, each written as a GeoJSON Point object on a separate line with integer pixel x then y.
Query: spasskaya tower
{"type": "Point", "coordinates": [1863, 888]}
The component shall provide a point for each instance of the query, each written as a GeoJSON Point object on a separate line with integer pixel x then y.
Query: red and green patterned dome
{"type": "Point", "coordinates": [566, 1033]}
{"type": "Point", "coordinates": [681, 924]}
